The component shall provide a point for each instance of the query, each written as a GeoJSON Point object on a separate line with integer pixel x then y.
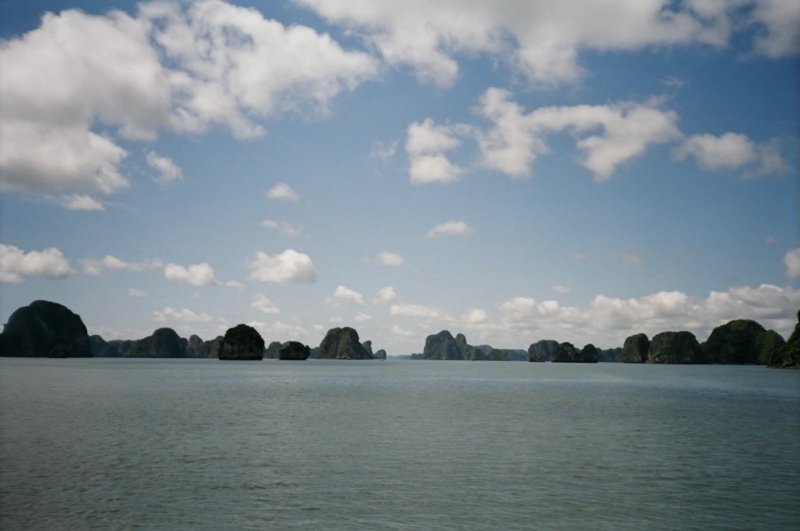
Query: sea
{"type": "Point", "coordinates": [166, 444]}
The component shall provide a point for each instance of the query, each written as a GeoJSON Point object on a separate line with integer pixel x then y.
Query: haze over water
{"type": "Point", "coordinates": [204, 444]}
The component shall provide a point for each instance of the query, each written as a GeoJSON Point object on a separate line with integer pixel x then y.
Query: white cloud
{"type": "Point", "coordinates": [175, 66]}
{"type": "Point", "coordinates": [282, 192]}
{"type": "Point", "coordinates": [336, 319]}
{"type": "Point", "coordinates": [362, 317]}
{"type": "Point", "coordinates": [426, 145]}
{"type": "Point", "coordinates": [733, 151]}
{"type": "Point", "coordinates": [563, 290]}
{"type": "Point", "coordinates": [136, 293]}
{"type": "Point", "coordinates": [543, 40]}
{"type": "Point", "coordinates": [413, 310]}
{"type": "Point", "coordinates": [475, 316]}
{"type": "Point", "coordinates": [183, 315]}
{"type": "Point", "coordinates": [91, 267]}
{"type": "Point", "coordinates": [349, 295]}
{"type": "Point", "coordinates": [112, 262]}
{"type": "Point", "coordinates": [79, 202]}
{"type": "Point", "coordinates": [390, 259]}
{"type": "Point", "coordinates": [792, 262]}
{"type": "Point", "coordinates": [168, 171]}
{"type": "Point", "coordinates": [386, 295]}
{"type": "Point", "coordinates": [288, 267]}
{"type": "Point", "coordinates": [234, 285]}
{"type": "Point", "coordinates": [396, 330]}
{"type": "Point", "coordinates": [263, 304]}
{"type": "Point", "coordinates": [450, 228]}
{"type": "Point", "coordinates": [284, 227]}
{"type": "Point", "coordinates": [16, 263]}
{"type": "Point", "coordinates": [633, 258]}
{"type": "Point", "coordinates": [196, 275]}
{"type": "Point", "coordinates": [516, 138]}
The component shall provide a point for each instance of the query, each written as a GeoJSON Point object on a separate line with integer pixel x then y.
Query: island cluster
{"type": "Point", "coordinates": [49, 329]}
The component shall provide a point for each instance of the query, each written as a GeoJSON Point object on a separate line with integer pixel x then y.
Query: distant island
{"type": "Point", "coordinates": [48, 329]}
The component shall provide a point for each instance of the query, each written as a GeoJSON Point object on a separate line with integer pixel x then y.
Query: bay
{"type": "Point", "coordinates": [205, 444]}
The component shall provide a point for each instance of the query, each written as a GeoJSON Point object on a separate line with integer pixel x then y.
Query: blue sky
{"type": "Point", "coordinates": [510, 170]}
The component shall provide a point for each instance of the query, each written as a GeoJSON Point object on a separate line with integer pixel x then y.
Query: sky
{"type": "Point", "coordinates": [511, 170]}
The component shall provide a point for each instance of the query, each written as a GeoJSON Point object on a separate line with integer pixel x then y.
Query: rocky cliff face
{"type": "Point", "coordinates": [368, 347]}
{"type": "Point", "coordinates": [542, 350]}
{"type": "Point", "coordinates": [589, 354]}
{"type": "Point", "coordinates": [164, 343]}
{"type": "Point", "coordinates": [442, 346]}
{"type": "Point", "coordinates": [342, 344]}
{"type": "Point", "coordinates": [242, 342]}
{"type": "Point", "coordinates": [742, 342]}
{"type": "Point", "coordinates": [635, 349]}
{"type": "Point", "coordinates": [102, 349]}
{"type": "Point", "coordinates": [788, 355]}
{"type": "Point", "coordinates": [273, 351]}
{"type": "Point", "coordinates": [675, 347]}
{"type": "Point", "coordinates": [380, 355]}
{"type": "Point", "coordinates": [42, 329]}
{"type": "Point", "coordinates": [196, 347]}
{"type": "Point", "coordinates": [565, 353]}
{"type": "Point", "coordinates": [294, 351]}
{"type": "Point", "coordinates": [613, 355]}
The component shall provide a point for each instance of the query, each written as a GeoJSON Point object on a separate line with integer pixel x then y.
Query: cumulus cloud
{"type": "Point", "coordinates": [450, 228]}
{"type": "Point", "coordinates": [386, 295]}
{"type": "Point", "coordinates": [390, 259]}
{"type": "Point", "coordinates": [136, 293]}
{"type": "Point", "coordinates": [361, 317]}
{"type": "Point", "coordinates": [383, 151]}
{"type": "Point", "coordinates": [284, 227]}
{"type": "Point", "coordinates": [475, 316]}
{"type": "Point", "coordinates": [182, 315]}
{"type": "Point", "coordinates": [196, 275]}
{"type": "Point", "coordinates": [413, 310]}
{"type": "Point", "coordinates": [426, 145]}
{"type": "Point", "coordinates": [336, 319]}
{"type": "Point", "coordinates": [174, 66]}
{"type": "Point", "coordinates": [792, 262]}
{"type": "Point", "coordinates": [733, 151]}
{"type": "Point", "coordinates": [16, 263]}
{"type": "Point", "coordinates": [112, 262]}
{"type": "Point", "coordinates": [168, 171]}
{"type": "Point", "coordinates": [563, 290]}
{"type": "Point", "coordinates": [543, 40]}
{"type": "Point", "coordinates": [288, 267]}
{"type": "Point", "coordinates": [515, 140]}
{"type": "Point", "coordinates": [349, 295]}
{"type": "Point", "coordinates": [282, 192]}
{"type": "Point", "coordinates": [263, 304]}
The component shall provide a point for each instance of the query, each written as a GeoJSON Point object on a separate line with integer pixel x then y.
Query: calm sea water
{"type": "Point", "coordinates": [202, 444]}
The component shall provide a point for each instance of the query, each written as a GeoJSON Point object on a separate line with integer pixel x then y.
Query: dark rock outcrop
{"type": "Point", "coordinates": [294, 351]}
{"type": "Point", "coordinates": [342, 344]}
{"type": "Point", "coordinates": [107, 349]}
{"type": "Point", "coordinates": [196, 347]}
{"type": "Point", "coordinates": [164, 343]}
{"type": "Point", "coordinates": [122, 346]}
{"type": "Point", "coordinates": [507, 354]}
{"type": "Point", "coordinates": [368, 347]}
{"type": "Point", "coordinates": [273, 351]}
{"type": "Point", "coordinates": [242, 342]}
{"type": "Point", "coordinates": [42, 329]}
{"type": "Point", "coordinates": [542, 350]}
{"type": "Point", "coordinates": [735, 342]}
{"type": "Point", "coordinates": [675, 347]}
{"type": "Point", "coordinates": [417, 356]}
{"type": "Point", "coordinates": [611, 355]}
{"type": "Point", "coordinates": [588, 354]}
{"type": "Point", "coordinates": [213, 346]}
{"type": "Point", "coordinates": [380, 355]}
{"type": "Point", "coordinates": [635, 349]}
{"type": "Point", "coordinates": [443, 346]}
{"type": "Point", "coordinates": [565, 353]}
{"type": "Point", "coordinates": [769, 346]}
{"type": "Point", "coordinates": [788, 356]}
